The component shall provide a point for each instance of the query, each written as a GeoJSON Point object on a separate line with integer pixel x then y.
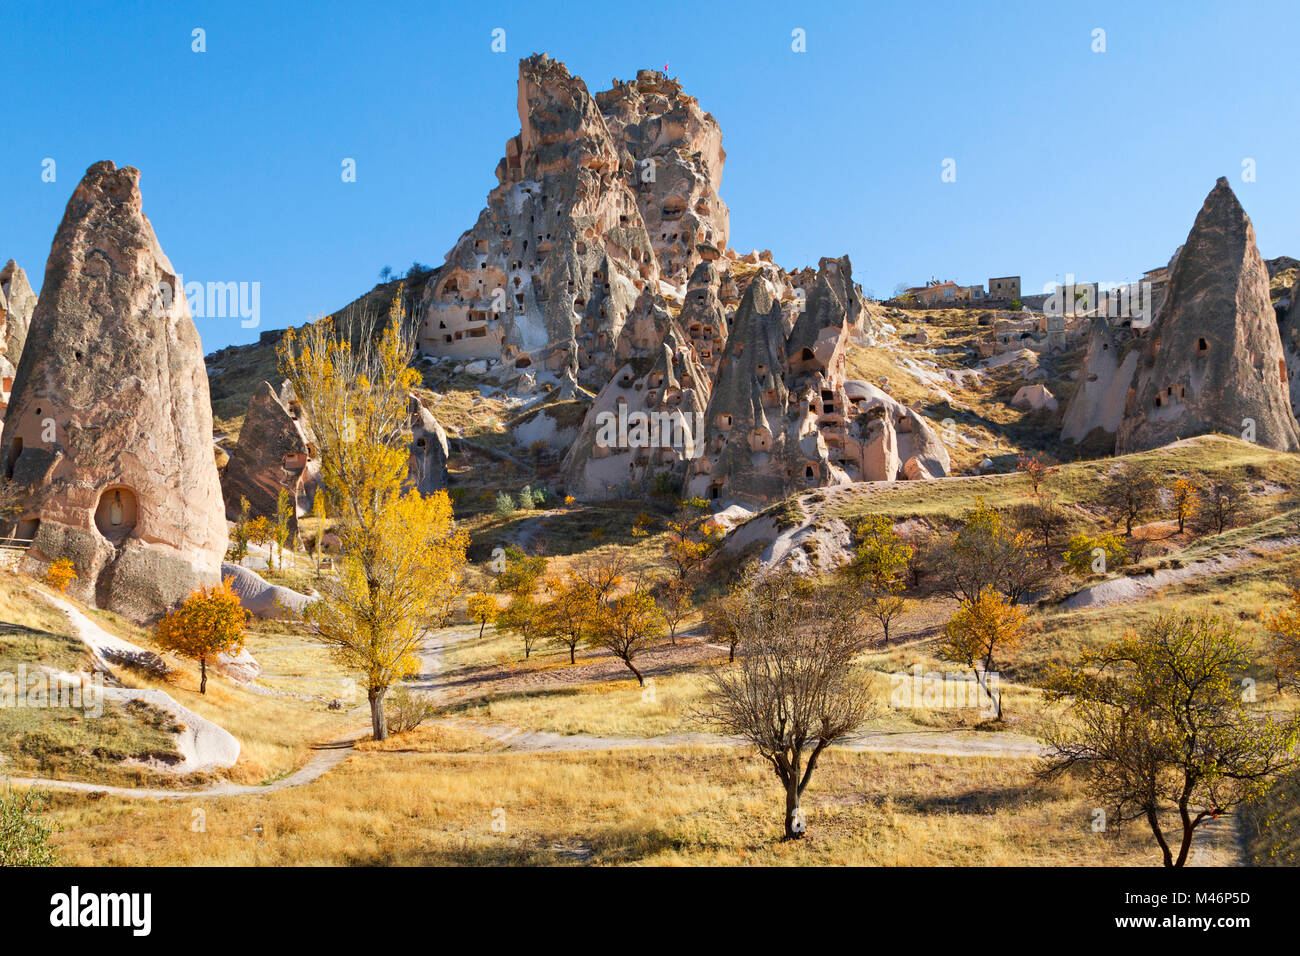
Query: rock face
{"type": "Point", "coordinates": [671, 154]}
{"type": "Point", "coordinates": [641, 425]}
{"type": "Point", "coordinates": [276, 449]}
{"type": "Point", "coordinates": [1289, 330]}
{"type": "Point", "coordinates": [427, 470]}
{"type": "Point", "coordinates": [557, 260]}
{"type": "Point", "coordinates": [1213, 358]}
{"type": "Point", "coordinates": [17, 302]}
{"type": "Point", "coordinates": [110, 425]}
{"type": "Point", "coordinates": [1104, 381]}
{"type": "Point", "coordinates": [780, 417]}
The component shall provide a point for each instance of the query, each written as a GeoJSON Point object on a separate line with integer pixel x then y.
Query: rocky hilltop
{"type": "Point", "coordinates": [110, 425]}
{"type": "Point", "coordinates": [1213, 359]}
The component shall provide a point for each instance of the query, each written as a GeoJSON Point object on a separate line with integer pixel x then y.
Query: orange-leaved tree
{"type": "Point", "coordinates": [209, 622]}
{"type": "Point", "coordinates": [627, 625]}
{"type": "Point", "coordinates": [982, 629]}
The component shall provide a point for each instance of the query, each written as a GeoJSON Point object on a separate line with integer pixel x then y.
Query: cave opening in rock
{"type": "Point", "coordinates": [117, 512]}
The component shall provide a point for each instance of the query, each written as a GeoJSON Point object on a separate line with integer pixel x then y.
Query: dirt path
{"type": "Point", "coordinates": [1124, 589]}
{"type": "Point", "coordinates": [327, 756]}
{"type": "Point", "coordinates": [952, 743]}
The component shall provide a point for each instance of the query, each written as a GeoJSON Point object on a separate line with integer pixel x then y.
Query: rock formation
{"type": "Point", "coordinates": [276, 449]}
{"type": "Point", "coordinates": [557, 260]}
{"type": "Point", "coordinates": [780, 417]}
{"type": "Point", "coordinates": [672, 156]}
{"type": "Point", "coordinates": [1102, 390]}
{"type": "Point", "coordinates": [641, 425]}
{"type": "Point", "coordinates": [17, 302]}
{"type": "Point", "coordinates": [110, 427]}
{"type": "Point", "coordinates": [1212, 359]}
{"type": "Point", "coordinates": [427, 468]}
{"type": "Point", "coordinates": [1289, 330]}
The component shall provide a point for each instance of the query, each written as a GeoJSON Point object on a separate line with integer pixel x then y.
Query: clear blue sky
{"type": "Point", "coordinates": [1067, 160]}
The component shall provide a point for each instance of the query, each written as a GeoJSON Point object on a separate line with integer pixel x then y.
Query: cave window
{"type": "Point", "coordinates": [1202, 345]}
{"type": "Point", "coordinates": [116, 513]}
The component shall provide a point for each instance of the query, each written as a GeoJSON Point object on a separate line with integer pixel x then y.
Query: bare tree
{"type": "Point", "coordinates": [1222, 502]}
{"type": "Point", "coordinates": [795, 689]}
{"type": "Point", "coordinates": [10, 492]}
{"type": "Point", "coordinates": [1129, 492]}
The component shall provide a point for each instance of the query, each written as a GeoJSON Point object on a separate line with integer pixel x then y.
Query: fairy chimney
{"type": "Point", "coordinates": [109, 430]}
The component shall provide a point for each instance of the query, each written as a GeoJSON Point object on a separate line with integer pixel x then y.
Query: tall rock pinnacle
{"type": "Point", "coordinates": [1213, 359]}
{"type": "Point", "coordinates": [109, 428]}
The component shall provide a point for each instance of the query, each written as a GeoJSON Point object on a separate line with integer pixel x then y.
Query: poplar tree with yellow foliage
{"type": "Point", "coordinates": [401, 557]}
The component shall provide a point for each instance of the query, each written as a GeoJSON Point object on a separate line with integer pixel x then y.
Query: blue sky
{"type": "Point", "coordinates": [1067, 160]}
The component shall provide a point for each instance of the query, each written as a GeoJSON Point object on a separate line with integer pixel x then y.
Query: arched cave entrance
{"type": "Point", "coordinates": [116, 513]}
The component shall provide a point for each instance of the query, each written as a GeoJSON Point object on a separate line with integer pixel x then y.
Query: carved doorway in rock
{"type": "Point", "coordinates": [116, 513]}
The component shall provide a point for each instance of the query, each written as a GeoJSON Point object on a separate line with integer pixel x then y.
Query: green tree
{"type": "Point", "coordinates": [1160, 730]}
{"type": "Point", "coordinates": [878, 568]}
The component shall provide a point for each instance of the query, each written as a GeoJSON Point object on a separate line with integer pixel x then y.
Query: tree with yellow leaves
{"type": "Point", "coordinates": [981, 629]}
{"type": "Point", "coordinates": [570, 612]}
{"type": "Point", "coordinates": [209, 622]}
{"type": "Point", "coordinates": [877, 570]}
{"type": "Point", "coordinates": [482, 608]}
{"type": "Point", "coordinates": [987, 552]}
{"type": "Point", "coordinates": [691, 539]}
{"type": "Point", "coordinates": [1187, 500]}
{"type": "Point", "coordinates": [1284, 628]}
{"type": "Point", "coordinates": [401, 557]}
{"type": "Point", "coordinates": [627, 625]}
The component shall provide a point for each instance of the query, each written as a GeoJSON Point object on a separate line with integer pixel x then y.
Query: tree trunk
{"type": "Point", "coordinates": [378, 719]}
{"type": "Point", "coordinates": [573, 653]}
{"type": "Point", "coordinates": [203, 674]}
{"type": "Point", "coordinates": [731, 658]}
{"type": "Point", "coordinates": [793, 811]}
{"type": "Point", "coordinates": [481, 624]}
{"type": "Point", "coordinates": [1160, 837]}
{"type": "Point", "coordinates": [632, 667]}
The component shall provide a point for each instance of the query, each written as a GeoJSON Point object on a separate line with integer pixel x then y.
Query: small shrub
{"type": "Point", "coordinates": [505, 505]}
{"type": "Point", "coordinates": [1080, 554]}
{"type": "Point", "coordinates": [24, 833]}
{"type": "Point", "coordinates": [60, 574]}
{"type": "Point", "coordinates": [408, 709]}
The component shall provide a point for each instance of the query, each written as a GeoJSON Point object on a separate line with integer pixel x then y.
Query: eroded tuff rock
{"type": "Point", "coordinates": [427, 468]}
{"type": "Point", "coordinates": [1104, 382]}
{"type": "Point", "coordinates": [110, 425]}
{"type": "Point", "coordinates": [780, 417]}
{"type": "Point", "coordinates": [1289, 331]}
{"type": "Point", "coordinates": [641, 425]}
{"type": "Point", "coordinates": [560, 256]}
{"type": "Point", "coordinates": [1213, 358]}
{"type": "Point", "coordinates": [17, 302]}
{"type": "Point", "coordinates": [276, 449]}
{"type": "Point", "coordinates": [672, 155]}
